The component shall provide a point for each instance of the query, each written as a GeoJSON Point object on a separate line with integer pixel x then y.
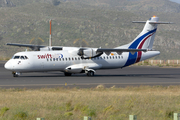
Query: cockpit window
{"type": "Point", "coordinates": [26, 57]}
{"type": "Point", "coordinates": [16, 57]}
{"type": "Point", "coordinates": [20, 57]}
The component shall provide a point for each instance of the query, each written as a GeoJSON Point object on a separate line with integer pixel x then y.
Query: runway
{"type": "Point", "coordinates": [129, 76]}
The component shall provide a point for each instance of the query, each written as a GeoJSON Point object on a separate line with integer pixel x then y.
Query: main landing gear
{"type": "Point", "coordinates": [67, 74]}
{"type": "Point", "coordinates": [90, 73]}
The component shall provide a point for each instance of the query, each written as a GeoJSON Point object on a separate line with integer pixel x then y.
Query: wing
{"type": "Point", "coordinates": [87, 53]}
{"type": "Point", "coordinates": [33, 47]}
{"type": "Point", "coordinates": [120, 51]}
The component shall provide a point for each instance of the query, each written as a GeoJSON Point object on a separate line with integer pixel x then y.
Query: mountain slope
{"type": "Point", "coordinates": [102, 23]}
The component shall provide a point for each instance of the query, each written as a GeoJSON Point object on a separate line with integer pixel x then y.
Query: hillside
{"type": "Point", "coordinates": [136, 5]}
{"type": "Point", "coordinates": [102, 23]}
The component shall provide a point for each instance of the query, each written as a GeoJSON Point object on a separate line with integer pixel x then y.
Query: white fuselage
{"type": "Point", "coordinates": [62, 60]}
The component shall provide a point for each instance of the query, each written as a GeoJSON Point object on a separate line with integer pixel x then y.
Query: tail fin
{"type": "Point", "coordinates": [145, 39]}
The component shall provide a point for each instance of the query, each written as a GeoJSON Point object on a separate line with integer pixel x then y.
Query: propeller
{"type": "Point", "coordinates": [36, 43]}
{"type": "Point", "coordinates": [80, 43]}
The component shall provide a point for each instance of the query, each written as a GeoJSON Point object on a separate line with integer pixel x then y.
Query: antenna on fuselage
{"type": "Point", "coordinates": [50, 38]}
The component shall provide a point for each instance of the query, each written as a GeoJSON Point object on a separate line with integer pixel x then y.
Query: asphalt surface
{"type": "Point", "coordinates": [129, 76]}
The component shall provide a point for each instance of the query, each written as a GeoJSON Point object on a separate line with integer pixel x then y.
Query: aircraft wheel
{"type": "Point", "coordinates": [15, 74]}
{"type": "Point", "coordinates": [67, 74]}
{"type": "Point", "coordinates": [90, 73]}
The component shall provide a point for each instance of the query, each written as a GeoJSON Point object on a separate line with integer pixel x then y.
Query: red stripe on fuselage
{"type": "Point", "coordinates": [140, 47]}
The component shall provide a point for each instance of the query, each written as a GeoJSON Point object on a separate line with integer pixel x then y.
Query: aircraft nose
{"type": "Point", "coordinates": [8, 65]}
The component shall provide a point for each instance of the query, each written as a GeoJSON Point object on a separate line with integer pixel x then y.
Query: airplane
{"type": "Point", "coordinates": [74, 60]}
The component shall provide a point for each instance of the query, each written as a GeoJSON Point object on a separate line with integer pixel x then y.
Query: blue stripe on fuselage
{"type": "Point", "coordinates": [131, 59]}
{"type": "Point", "coordinates": [134, 45]}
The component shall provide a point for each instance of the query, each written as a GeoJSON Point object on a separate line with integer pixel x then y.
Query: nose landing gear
{"type": "Point", "coordinates": [16, 74]}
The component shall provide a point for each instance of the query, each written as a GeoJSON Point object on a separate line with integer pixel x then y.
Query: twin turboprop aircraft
{"type": "Point", "coordinates": [72, 60]}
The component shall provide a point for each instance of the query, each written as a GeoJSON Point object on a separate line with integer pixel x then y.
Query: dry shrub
{"type": "Point", "coordinates": [100, 87]}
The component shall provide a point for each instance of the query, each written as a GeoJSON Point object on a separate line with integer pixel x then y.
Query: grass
{"type": "Point", "coordinates": [147, 102]}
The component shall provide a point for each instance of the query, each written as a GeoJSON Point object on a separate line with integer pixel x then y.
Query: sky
{"type": "Point", "coordinates": [177, 1]}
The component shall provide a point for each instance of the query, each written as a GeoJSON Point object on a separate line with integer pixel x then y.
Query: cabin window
{"type": "Point", "coordinates": [75, 58]}
{"type": "Point", "coordinates": [66, 59]}
{"type": "Point", "coordinates": [104, 57]}
{"type": "Point", "coordinates": [119, 57]}
{"type": "Point", "coordinates": [50, 59]}
{"type": "Point", "coordinates": [72, 58]}
{"type": "Point", "coordinates": [69, 59]}
{"type": "Point", "coordinates": [63, 59]}
{"type": "Point", "coordinates": [122, 57]}
{"type": "Point", "coordinates": [113, 57]}
{"type": "Point", "coordinates": [116, 57]}
{"type": "Point", "coordinates": [78, 58]}
{"type": "Point", "coordinates": [107, 57]}
{"type": "Point", "coordinates": [47, 59]}
{"type": "Point", "coordinates": [56, 59]}
{"type": "Point", "coordinates": [59, 59]}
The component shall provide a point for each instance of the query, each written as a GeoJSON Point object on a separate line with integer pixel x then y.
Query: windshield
{"type": "Point", "coordinates": [20, 57]}
{"type": "Point", "coordinates": [16, 57]}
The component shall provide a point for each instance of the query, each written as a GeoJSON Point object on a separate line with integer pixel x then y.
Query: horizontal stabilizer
{"type": "Point", "coordinates": [161, 22]}
{"type": "Point", "coordinates": [153, 22]}
{"type": "Point", "coordinates": [138, 21]}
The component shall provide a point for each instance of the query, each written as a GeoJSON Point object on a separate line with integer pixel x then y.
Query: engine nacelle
{"type": "Point", "coordinates": [87, 53]}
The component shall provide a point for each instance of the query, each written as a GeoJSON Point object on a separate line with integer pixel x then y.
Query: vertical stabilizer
{"type": "Point", "coordinates": [144, 40]}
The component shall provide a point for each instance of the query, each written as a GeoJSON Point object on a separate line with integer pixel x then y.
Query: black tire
{"type": "Point", "coordinates": [67, 74]}
{"type": "Point", "coordinates": [14, 74]}
{"type": "Point", "coordinates": [90, 73]}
